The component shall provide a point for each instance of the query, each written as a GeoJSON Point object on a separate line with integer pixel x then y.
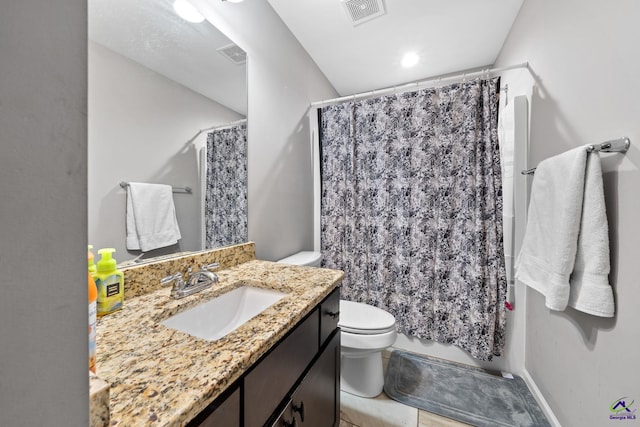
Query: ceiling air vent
{"type": "Point", "coordinates": [233, 53]}
{"type": "Point", "coordinates": [360, 11]}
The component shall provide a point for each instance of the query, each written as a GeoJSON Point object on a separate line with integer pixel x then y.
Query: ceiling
{"type": "Point", "coordinates": [150, 33]}
{"type": "Point", "coordinates": [448, 35]}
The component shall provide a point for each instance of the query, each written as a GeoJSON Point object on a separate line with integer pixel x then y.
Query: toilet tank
{"type": "Point", "coordinates": [308, 258]}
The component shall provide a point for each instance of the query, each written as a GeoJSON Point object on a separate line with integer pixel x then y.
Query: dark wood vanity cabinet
{"type": "Point", "coordinates": [225, 413]}
{"type": "Point", "coordinates": [316, 401]}
{"type": "Point", "coordinates": [329, 315]}
{"type": "Point", "coordinates": [269, 382]}
{"type": "Point", "coordinates": [297, 383]}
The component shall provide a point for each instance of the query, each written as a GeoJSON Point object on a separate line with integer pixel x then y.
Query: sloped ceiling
{"type": "Point", "coordinates": [448, 35]}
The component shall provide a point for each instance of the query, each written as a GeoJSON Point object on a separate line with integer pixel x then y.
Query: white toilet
{"type": "Point", "coordinates": [364, 332]}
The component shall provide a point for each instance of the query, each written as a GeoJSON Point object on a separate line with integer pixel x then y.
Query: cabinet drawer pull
{"type": "Point", "coordinates": [299, 409]}
{"type": "Point", "coordinates": [333, 314]}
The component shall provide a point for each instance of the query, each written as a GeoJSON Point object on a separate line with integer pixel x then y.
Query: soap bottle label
{"type": "Point", "coordinates": [110, 294]}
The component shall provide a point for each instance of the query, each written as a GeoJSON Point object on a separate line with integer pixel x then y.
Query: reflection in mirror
{"type": "Point", "coordinates": [161, 90]}
{"type": "Point", "coordinates": [225, 186]}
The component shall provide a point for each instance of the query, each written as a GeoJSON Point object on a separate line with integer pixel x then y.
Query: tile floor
{"type": "Point", "coordinates": [383, 412]}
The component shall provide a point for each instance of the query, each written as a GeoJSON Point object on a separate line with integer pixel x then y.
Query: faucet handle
{"type": "Point", "coordinates": [169, 279]}
{"type": "Point", "coordinates": [210, 267]}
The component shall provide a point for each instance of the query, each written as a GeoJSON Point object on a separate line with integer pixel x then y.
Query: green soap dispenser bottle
{"type": "Point", "coordinates": [110, 283]}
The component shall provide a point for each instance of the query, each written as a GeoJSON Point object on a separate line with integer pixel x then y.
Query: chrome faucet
{"type": "Point", "coordinates": [205, 275]}
{"type": "Point", "coordinates": [198, 281]}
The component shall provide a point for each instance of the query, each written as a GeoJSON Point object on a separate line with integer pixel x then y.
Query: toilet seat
{"type": "Point", "coordinates": [359, 344]}
{"type": "Point", "coordinates": [363, 319]}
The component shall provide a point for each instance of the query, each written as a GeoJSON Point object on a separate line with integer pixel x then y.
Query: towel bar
{"type": "Point", "coordinates": [620, 145]}
{"type": "Point", "coordinates": [186, 190]}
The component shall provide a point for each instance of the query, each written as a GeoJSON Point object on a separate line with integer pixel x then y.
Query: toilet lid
{"type": "Point", "coordinates": [359, 318]}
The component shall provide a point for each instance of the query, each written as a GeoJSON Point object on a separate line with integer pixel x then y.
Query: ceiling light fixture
{"type": "Point", "coordinates": [234, 1]}
{"type": "Point", "coordinates": [410, 59]}
{"type": "Point", "coordinates": [186, 11]}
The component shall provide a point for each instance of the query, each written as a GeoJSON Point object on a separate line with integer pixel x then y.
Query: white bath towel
{"type": "Point", "coordinates": [565, 252]}
{"type": "Point", "coordinates": [151, 217]}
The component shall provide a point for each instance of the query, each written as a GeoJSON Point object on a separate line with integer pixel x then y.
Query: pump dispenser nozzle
{"type": "Point", "coordinates": [107, 262]}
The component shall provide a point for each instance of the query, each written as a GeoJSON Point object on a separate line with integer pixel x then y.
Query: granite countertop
{"type": "Point", "coordinates": [162, 377]}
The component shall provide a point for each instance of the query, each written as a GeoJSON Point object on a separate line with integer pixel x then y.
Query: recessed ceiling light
{"type": "Point", "coordinates": [410, 59]}
{"type": "Point", "coordinates": [186, 11]}
{"type": "Point", "coordinates": [234, 1]}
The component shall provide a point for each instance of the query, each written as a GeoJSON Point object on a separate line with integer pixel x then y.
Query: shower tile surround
{"type": "Point", "coordinates": [159, 375]}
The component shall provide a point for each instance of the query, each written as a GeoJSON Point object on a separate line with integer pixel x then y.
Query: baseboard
{"type": "Point", "coordinates": [551, 417]}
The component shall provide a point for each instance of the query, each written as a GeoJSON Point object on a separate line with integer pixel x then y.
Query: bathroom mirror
{"type": "Point", "coordinates": [157, 84]}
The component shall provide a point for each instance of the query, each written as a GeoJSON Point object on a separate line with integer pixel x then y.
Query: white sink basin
{"type": "Point", "coordinates": [214, 319]}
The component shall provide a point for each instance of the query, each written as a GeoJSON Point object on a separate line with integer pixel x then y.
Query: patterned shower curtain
{"type": "Point", "coordinates": [412, 210]}
{"type": "Point", "coordinates": [226, 187]}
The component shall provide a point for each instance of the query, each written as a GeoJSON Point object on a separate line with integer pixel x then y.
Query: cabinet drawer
{"type": "Point", "coordinates": [270, 381]}
{"type": "Point", "coordinates": [329, 314]}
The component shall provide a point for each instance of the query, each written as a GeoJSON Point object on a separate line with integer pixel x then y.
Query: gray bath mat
{"type": "Point", "coordinates": [471, 395]}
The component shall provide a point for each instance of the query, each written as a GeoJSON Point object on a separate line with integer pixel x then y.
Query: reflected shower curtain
{"type": "Point", "coordinates": [226, 187]}
{"type": "Point", "coordinates": [412, 211]}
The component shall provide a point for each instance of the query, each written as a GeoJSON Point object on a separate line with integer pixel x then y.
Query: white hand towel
{"type": "Point", "coordinates": [590, 289]}
{"type": "Point", "coordinates": [565, 229]}
{"type": "Point", "coordinates": [151, 217]}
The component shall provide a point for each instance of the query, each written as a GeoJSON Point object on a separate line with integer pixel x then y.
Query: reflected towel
{"type": "Point", "coordinates": [151, 217]}
{"type": "Point", "coordinates": [565, 252]}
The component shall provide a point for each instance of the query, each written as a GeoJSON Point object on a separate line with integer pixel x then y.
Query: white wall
{"type": "Point", "coordinates": [141, 126]}
{"type": "Point", "coordinates": [584, 58]}
{"type": "Point", "coordinates": [282, 82]}
{"type": "Point", "coordinates": [43, 176]}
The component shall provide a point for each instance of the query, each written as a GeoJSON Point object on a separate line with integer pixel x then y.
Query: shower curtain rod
{"type": "Point", "coordinates": [418, 83]}
{"type": "Point", "coordinates": [228, 125]}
